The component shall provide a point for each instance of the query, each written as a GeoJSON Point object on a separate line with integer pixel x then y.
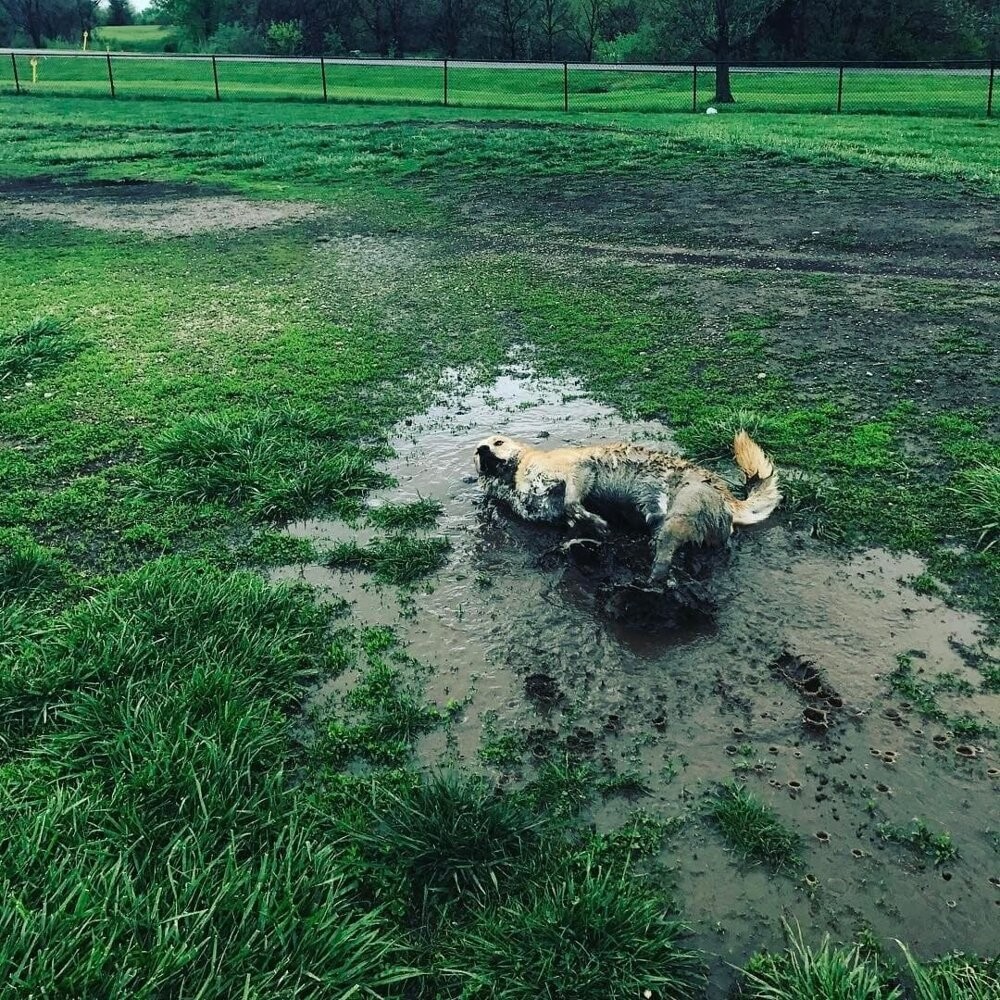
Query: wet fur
{"type": "Point", "coordinates": [680, 503]}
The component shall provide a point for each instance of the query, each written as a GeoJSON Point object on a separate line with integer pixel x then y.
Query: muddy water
{"type": "Point", "coordinates": [688, 709]}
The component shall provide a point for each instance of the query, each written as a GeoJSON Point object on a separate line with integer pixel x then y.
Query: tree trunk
{"type": "Point", "coordinates": [723, 89]}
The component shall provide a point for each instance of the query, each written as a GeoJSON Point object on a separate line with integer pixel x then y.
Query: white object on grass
{"type": "Point", "coordinates": [711, 111]}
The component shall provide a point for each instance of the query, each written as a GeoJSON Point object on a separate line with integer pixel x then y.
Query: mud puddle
{"type": "Point", "coordinates": [156, 210]}
{"type": "Point", "coordinates": [788, 691]}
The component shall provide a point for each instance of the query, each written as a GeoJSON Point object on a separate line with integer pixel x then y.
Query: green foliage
{"type": "Point", "coordinates": [420, 513]}
{"type": "Point", "coordinates": [27, 570]}
{"type": "Point", "coordinates": [596, 936]}
{"type": "Point", "coordinates": [149, 790]}
{"type": "Point", "coordinates": [284, 38]}
{"type": "Point", "coordinates": [953, 977]}
{"type": "Point", "coordinates": [36, 348]}
{"type": "Point", "coordinates": [395, 559]}
{"type": "Point", "coordinates": [455, 838]}
{"type": "Point", "coordinates": [753, 829]}
{"type": "Point", "coordinates": [805, 973]}
{"type": "Point", "coordinates": [978, 490]}
{"type": "Point", "coordinates": [919, 838]}
{"type": "Point", "coordinates": [276, 463]}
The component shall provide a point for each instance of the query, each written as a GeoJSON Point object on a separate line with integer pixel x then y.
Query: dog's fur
{"type": "Point", "coordinates": [679, 503]}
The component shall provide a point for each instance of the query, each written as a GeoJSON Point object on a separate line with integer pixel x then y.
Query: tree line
{"type": "Point", "coordinates": [576, 30]}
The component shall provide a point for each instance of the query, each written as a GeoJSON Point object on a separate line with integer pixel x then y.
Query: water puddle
{"type": "Point", "coordinates": [787, 691]}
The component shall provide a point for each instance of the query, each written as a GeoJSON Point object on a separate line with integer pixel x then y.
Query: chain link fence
{"type": "Point", "coordinates": [952, 88]}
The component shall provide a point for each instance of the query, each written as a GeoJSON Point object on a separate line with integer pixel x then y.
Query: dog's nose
{"type": "Point", "coordinates": [483, 449]}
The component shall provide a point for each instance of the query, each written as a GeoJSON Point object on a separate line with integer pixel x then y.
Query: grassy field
{"type": "Point", "coordinates": [959, 93]}
{"type": "Point", "coordinates": [175, 826]}
{"type": "Point", "coordinates": [135, 38]}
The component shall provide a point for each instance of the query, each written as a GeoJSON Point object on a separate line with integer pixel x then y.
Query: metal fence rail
{"type": "Point", "coordinates": [929, 88]}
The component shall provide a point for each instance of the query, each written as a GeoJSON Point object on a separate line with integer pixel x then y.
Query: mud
{"type": "Point", "coordinates": [515, 631]}
{"type": "Point", "coordinates": [152, 209]}
{"type": "Point", "coordinates": [813, 218]}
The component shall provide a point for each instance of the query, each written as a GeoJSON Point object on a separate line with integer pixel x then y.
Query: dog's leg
{"type": "Point", "coordinates": [697, 515]}
{"type": "Point", "coordinates": [576, 513]}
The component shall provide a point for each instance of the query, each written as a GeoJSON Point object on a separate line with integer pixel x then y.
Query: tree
{"type": "Point", "coordinates": [200, 18]}
{"type": "Point", "coordinates": [718, 26]}
{"type": "Point", "coordinates": [512, 19]}
{"type": "Point", "coordinates": [555, 19]}
{"type": "Point", "coordinates": [120, 12]}
{"type": "Point", "coordinates": [589, 21]}
{"type": "Point", "coordinates": [42, 19]}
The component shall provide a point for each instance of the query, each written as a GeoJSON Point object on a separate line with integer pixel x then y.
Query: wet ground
{"type": "Point", "coordinates": [786, 690]}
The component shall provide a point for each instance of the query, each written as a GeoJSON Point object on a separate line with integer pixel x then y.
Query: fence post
{"type": "Point", "coordinates": [446, 83]}
{"type": "Point", "coordinates": [840, 90]}
{"type": "Point", "coordinates": [215, 77]}
{"type": "Point", "coordinates": [322, 69]}
{"type": "Point", "coordinates": [565, 86]}
{"type": "Point", "coordinates": [989, 93]}
{"type": "Point", "coordinates": [111, 76]}
{"type": "Point", "coordinates": [694, 88]}
{"type": "Point", "coordinates": [17, 82]}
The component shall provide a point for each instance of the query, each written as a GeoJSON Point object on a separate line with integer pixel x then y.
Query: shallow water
{"type": "Point", "coordinates": [509, 605]}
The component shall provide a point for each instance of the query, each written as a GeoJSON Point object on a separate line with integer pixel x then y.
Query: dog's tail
{"type": "Point", "coordinates": [762, 481]}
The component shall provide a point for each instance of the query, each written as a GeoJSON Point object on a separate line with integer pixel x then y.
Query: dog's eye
{"type": "Point", "coordinates": [497, 443]}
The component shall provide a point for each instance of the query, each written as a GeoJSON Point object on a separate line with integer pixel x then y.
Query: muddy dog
{"type": "Point", "coordinates": [679, 503]}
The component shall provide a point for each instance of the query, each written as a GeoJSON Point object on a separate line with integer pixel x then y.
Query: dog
{"type": "Point", "coordinates": [679, 503]}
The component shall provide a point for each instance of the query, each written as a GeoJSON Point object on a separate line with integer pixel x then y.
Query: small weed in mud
{"type": "Point", "coordinates": [919, 838]}
{"type": "Point", "coordinates": [562, 787]}
{"type": "Point", "coordinates": [500, 749]}
{"type": "Point", "coordinates": [385, 720]}
{"type": "Point", "coordinates": [454, 837]}
{"type": "Point", "coordinates": [630, 784]}
{"type": "Point", "coordinates": [421, 513]}
{"type": "Point", "coordinates": [276, 548]}
{"type": "Point", "coordinates": [753, 829]}
{"type": "Point", "coordinates": [953, 977]}
{"type": "Point", "coordinates": [396, 559]}
{"type": "Point", "coordinates": [31, 350]}
{"type": "Point", "coordinates": [802, 972]}
{"type": "Point", "coordinates": [600, 935]}
{"type": "Point", "coordinates": [923, 696]}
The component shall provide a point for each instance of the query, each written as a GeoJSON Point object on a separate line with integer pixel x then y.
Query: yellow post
{"type": "Point", "coordinates": [86, 35]}
{"type": "Point", "coordinates": [34, 70]}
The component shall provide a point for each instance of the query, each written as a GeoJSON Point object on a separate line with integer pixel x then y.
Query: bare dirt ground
{"type": "Point", "coordinates": [519, 635]}
{"type": "Point", "coordinates": [151, 209]}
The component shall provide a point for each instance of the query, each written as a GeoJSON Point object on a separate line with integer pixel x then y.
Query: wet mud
{"type": "Point", "coordinates": [786, 688]}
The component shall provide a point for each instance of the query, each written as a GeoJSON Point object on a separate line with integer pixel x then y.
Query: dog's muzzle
{"type": "Point", "coordinates": [486, 461]}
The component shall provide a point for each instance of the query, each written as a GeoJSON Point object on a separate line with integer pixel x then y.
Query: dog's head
{"type": "Point", "coordinates": [497, 457]}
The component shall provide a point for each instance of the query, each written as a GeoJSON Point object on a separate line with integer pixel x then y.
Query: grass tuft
{"type": "Point", "coordinates": [753, 829]}
{"type": "Point", "coordinates": [594, 936]}
{"type": "Point", "coordinates": [421, 513]}
{"type": "Point", "coordinates": [804, 973]}
{"type": "Point", "coordinates": [36, 348]}
{"type": "Point", "coordinates": [396, 559]}
{"type": "Point", "coordinates": [953, 977]}
{"type": "Point", "coordinates": [937, 847]}
{"type": "Point", "coordinates": [978, 490]}
{"type": "Point", "coordinates": [27, 569]}
{"type": "Point", "coordinates": [454, 837]}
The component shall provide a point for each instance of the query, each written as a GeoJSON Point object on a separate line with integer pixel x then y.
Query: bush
{"type": "Point", "coordinates": [285, 38]}
{"type": "Point", "coordinates": [235, 39]}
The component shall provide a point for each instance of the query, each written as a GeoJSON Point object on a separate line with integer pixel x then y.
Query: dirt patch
{"type": "Point", "coordinates": [516, 633]}
{"type": "Point", "coordinates": [156, 210]}
{"type": "Point", "coordinates": [803, 219]}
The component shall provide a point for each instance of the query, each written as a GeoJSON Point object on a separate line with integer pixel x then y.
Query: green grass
{"type": "Point", "coordinates": [534, 89]}
{"type": "Point", "coordinates": [420, 513]}
{"type": "Point", "coordinates": [920, 839]}
{"type": "Point", "coordinates": [173, 825]}
{"type": "Point", "coordinates": [395, 559]}
{"type": "Point", "coordinates": [953, 977]}
{"type": "Point", "coordinates": [753, 830]}
{"type": "Point", "coordinates": [597, 936]}
{"type": "Point", "coordinates": [136, 38]}
{"type": "Point", "coordinates": [802, 972]}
